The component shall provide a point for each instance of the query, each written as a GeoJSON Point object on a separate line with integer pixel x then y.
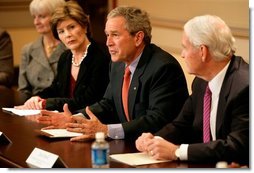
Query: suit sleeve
{"type": "Point", "coordinates": [181, 129]}
{"type": "Point", "coordinates": [105, 108]}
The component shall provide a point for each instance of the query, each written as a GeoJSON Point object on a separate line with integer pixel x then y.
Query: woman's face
{"type": "Point", "coordinates": [42, 22]}
{"type": "Point", "coordinates": [72, 34]}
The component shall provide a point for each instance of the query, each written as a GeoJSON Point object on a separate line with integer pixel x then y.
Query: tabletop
{"type": "Point", "coordinates": [22, 131]}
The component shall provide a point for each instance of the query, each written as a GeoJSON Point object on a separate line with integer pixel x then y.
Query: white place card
{"type": "Point", "coordinates": [4, 139]}
{"type": "Point", "coordinates": [44, 159]}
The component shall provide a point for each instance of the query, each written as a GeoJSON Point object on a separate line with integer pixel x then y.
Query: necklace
{"type": "Point", "coordinates": [82, 58]}
{"type": "Point", "coordinates": [50, 49]}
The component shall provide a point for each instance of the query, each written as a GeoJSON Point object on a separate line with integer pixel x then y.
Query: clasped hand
{"type": "Point", "coordinates": [34, 102]}
{"type": "Point", "coordinates": [157, 147]}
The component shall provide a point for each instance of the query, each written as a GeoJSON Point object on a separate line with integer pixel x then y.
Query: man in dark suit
{"type": "Point", "coordinates": [208, 50]}
{"type": "Point", "coordinates": [6, 59]}
{"type": "Point", "coordinates": [157, 89]}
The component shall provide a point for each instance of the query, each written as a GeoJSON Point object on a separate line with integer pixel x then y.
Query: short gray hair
{"type": "Point", "coordinates": [136, 20]}
{"type": "Point", "coordinates": [38, 6]}
{"type": "Point", "coordinates": [212, 32]}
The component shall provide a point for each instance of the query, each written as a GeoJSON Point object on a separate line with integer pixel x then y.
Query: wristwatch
{"type": "Point", "coordinates": [177, 153]}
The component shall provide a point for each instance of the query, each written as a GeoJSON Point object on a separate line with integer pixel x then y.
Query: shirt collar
{"type": "Point", "coordinates": [216, 83]}
{"type": "Point", "coordinates": [134, 64]}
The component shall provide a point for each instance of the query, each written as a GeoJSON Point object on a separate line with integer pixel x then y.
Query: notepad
{"type": "Point", "coordinates": [135, 159]}
{"type": "Point", "coordinates": [22, 112]}
{"type": "Point", "coordinates": [59, 133]}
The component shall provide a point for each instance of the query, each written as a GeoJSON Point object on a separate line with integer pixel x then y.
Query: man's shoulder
{"type": "Point", "coordinates": [160, 55]}
{"type": "Point", "coordinates": [239, 69]}
{"type": "Point", "coordinates": [239, 73]}
{"type": "Point", "coordinates": [241, 65]}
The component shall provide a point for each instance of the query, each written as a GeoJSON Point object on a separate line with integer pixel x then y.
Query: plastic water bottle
{"type": "Point", "coordinates": [100, 151]}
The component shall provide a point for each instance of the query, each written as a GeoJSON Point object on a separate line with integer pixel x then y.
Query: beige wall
{"type": "Point", "coordinates": [20, 37]}
{"type": "Point", "coordinates": [169, 16]}
{"type": "Point", "coordinates": [15, 17]}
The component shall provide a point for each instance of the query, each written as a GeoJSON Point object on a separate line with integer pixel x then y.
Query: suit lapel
{"type": "Point", "coordinates": [66, 71]}
{"type": "Point", "coordinates": [134, 86]}
{"type": "Point", "coordinates": [224, 94]}
{"type": "Point", "coordinates": [37, 52]}
{"type": "Point", "coordinates": [117, 88]}
{"type": "Point", "coordinates": [84, 65]}
{"type": "Point", "coordinates": [82, 71]}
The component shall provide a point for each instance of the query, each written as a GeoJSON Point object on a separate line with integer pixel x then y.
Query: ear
{"type": "Point", "coordinates": [204, 52]}
{"type": "Point", "coordinates": [139, 37]}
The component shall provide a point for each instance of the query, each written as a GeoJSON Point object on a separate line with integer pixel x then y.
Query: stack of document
{"type": "Point", "coordinates": [22, 112]}
{"type": "Point", "coordinates": [135, 159]}
{"type": "Point", "coordinates": [58, 133]}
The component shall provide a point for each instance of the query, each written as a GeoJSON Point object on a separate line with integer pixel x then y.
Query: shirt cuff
{"type": "Point", "coordinates": [183, 151]}
{"type": "Point", "coordinates": [115, 131]}
{"type": "Point", "coordinates": [79, 115]}
{"type": "Point", "coordinates": [43, 103]}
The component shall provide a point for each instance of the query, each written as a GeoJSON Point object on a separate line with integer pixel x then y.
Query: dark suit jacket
{"type": "Point", "coordinates": [232, 123]}
{"type": "Point", "coordinates": [6, 59]}
{"type": "Point", "coordinates": [90, 86]}
{"type": "Point", "coordinates": [157, 92]}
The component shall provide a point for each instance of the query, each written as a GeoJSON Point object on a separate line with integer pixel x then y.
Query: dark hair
{"type": "Point", "coordinates": [70, 10]}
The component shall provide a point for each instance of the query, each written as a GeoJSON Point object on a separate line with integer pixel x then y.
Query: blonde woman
{"type": "Point", "coordinates": [39, 59]}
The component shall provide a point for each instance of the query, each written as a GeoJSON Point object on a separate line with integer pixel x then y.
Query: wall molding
{"type": "Point", "coordinates": [13, 5]}
{"type": "Point", "coordinates": [15, 13]}
{"type": "Point", "coordinates": [178, 25]}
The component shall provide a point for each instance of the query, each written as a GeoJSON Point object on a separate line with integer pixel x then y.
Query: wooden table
{"type": "Point", "coordinates": [22, 132]}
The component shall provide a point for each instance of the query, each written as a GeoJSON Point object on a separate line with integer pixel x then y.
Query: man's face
{"type": "Point", "coordinates": [192, 56]}
{"type": "Point", "coordinates": [121, 45]}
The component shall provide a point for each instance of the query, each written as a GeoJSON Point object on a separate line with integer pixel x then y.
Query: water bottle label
{"type": "Point", "coordinates": [100, 156]}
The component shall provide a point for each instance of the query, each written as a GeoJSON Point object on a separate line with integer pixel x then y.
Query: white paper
{"type": "Point", "coordinates": [59, 133]}
{"type": "Point", "coordinates": [22, 112]}
{"type": "Point", "coordinates": [41, 159]}
{"type": "Point", "coordinates": [136, 159]}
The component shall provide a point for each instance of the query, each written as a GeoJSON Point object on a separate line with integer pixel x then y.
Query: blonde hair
{"type": "Point", "coordinates": [44, 6]}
